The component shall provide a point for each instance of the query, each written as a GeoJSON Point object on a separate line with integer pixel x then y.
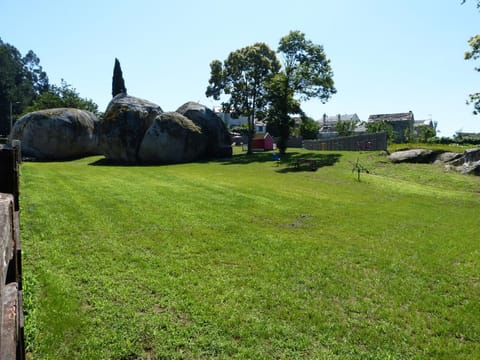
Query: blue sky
{"type": "Point", "coordinates": [387, 55]}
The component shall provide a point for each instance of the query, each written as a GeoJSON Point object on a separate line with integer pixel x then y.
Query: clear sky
{"type": "Point", "coordinates": [387, 55]}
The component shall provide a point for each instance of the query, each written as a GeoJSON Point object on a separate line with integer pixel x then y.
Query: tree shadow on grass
{"type": "Point", "coordinates": [109, 162]}
{"type": "Point", "coordinates": [308, 162]}
{"type": "Point", "coordinates": [289, 162]}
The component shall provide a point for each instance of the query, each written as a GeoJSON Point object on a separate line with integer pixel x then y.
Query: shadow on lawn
{"type": "Point", "coordinates": [289, 162]}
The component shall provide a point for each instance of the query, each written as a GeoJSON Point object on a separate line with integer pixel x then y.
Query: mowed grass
{"type": "Point", "coordinates": [250, 259]}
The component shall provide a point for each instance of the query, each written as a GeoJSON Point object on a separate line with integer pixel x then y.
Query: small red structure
{"type": "Point", "coordinates": [262, 142]}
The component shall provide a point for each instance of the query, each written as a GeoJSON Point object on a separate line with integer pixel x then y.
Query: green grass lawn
{"type": "Point", "coordinates": [250, 259]}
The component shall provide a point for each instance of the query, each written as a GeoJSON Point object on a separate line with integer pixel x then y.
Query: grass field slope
{"type": "Point", "coordinates": [251, 258]}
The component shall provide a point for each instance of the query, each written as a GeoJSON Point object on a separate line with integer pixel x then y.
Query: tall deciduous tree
{"type": "Point", "coordinates": [281, 104]}
{"type": "Point", "coordinates": [474, 54]}
{"type": "Point", "coordinates": [306, 74]}
{"type": "Point", "coordinates": [21, 80]}
{"type": "Point", "coordinates": [61, 96]}
{"type": "Point", "coordinates": [243, 77]}
{"type": "Point", "coordinates": [118, 84]}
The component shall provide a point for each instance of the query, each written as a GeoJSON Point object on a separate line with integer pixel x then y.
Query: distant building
{"type": "Point", "coordinates": [402, 124]}
{"type": "Point", "coordinates": [328, 124]}
{"type": "Point", "coordinates": [260, 127]}
{"type": "Point", "coordinates": [233, 122]}
{"type": "Point", "coordinates": [229, 119]}
{"type": "Point", "coordinates": [428, 123]}
{"type": "Point", "coordinates": [467, 134]}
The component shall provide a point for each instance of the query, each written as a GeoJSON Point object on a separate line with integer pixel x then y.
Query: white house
{"type": "Point", "coordinates": [228, 119]}
{"type": "Point", "coordinates": [328, 124]}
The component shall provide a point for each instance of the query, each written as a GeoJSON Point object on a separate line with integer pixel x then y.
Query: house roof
{"type": "Point", "coordinates": [408, 116]}
{"type": "Point", "coordinates": [427, 122]}
{"type": "Point", "coordinates": [335, 118]}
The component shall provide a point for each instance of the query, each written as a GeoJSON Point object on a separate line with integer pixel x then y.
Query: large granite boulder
{"type": "Point", "coordinates": [449, 157]}
{"type": "Point", "coordinates": [219, 142]}
{"type": "Point", "coordinates": [471, 155]}
{"type": "Point", "coordinates": [467, 163]}
{"type": "Point", "coordinates": [423, 156]}
{"type": "Point", "coordinates": [124, 125]}
{"type": "Point", "coordinates": [56, 134]}
{"type": "Point", "coordinates": [469, 168]}
{"type": "Point", "coordinates": [172, 138]}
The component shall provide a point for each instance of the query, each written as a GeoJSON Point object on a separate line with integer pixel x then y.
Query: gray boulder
{"type": "Point", "coordinates": [467, 163]}
{"type": "Point", "coordinates": [471, 155]}
{"type": "Point", "coordinates": [219, 142]}
{"type": "Point", "coordinates": [124, 125]}
{"type": "Point", "coordinates": [470, 168]}
{"type": "Point", "coordinates": [423, 156]}
{"type": "Point", "coordinates": [172, 138]}
{"type": "Point", "coordinates": [448, 157]}
{"type": "Point", "coordinates": [57, 134]}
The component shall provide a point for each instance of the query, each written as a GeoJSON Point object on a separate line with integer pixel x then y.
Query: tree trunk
{"type": "Point", "coordinates": [284, 130]}
{"type": "Point", "coordinates": [250, 136]}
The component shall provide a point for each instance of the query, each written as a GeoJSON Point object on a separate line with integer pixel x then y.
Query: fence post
{"type": "Point", "coordinates": [12, 344]}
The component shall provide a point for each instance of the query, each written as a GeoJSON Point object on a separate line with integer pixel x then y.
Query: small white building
{"type": "Point", "coordinates": [228, 119]}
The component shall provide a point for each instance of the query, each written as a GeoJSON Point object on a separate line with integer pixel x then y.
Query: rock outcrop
{"type": "Point", "coordinates": [172, 138]}
{"type": "Point", "coordinates": [57, 134]}
{"type": "Point", "coordinates": [423, 156]}
{"type": "Point", "coordinates": [466, 163]}
{"type": "Point", "coordinates": [124, 126]}
{"type": "Point", "coordinates": [219, 142]}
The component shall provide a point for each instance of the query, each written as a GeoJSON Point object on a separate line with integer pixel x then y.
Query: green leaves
{"type": "Point", "coordinates": [21, 80]}
{"type": "Point", "coordinates": [345, 128]}
{"type": "Point", "coordinates": [306, 67]}
{"type": "Point", "coordinates": [244, 76]}
{"type": "Point", "coordinates": [306, 74]}
{"type": "Point", "coordinates": [474, 42]}
{"type": "Point", "coordinates": [61, 96]}
{"type": "Point", "coordinates": [257, 83]}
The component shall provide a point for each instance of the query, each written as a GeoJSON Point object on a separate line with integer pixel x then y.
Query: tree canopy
{"type": "Point", "coordinates": [309, 128]}
{"type": "Point", "coordinates": [306, 74]}
{"type": "Point", "coordinates": [21, 80]}
{"type": "Point", "coordinates": [243, 77]}
{"type": "Point", "coordinates": [259, 86]}
{"type": "Point", "coordinates": [24, 87]}
{"type": "Point", "coordinates": [474, 54]}
{"type": "Point", "coordinates": [63, 96]}
{"type": "Point", "coordinates": [345, 127]}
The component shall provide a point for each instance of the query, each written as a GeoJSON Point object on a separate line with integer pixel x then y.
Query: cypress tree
{"type": "Point", "coordinates": [118, 84]}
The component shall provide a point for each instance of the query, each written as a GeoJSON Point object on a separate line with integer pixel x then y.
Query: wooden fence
{"type": "Point", "coordinates": [11, 305]}
{"type": "Point", "coordinates": [364, 142]}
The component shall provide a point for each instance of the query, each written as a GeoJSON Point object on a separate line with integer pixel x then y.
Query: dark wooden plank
{"type": "Point", "coordinates": [8, 334]}
{"type": "Point", "coordinates": [7, 243]}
